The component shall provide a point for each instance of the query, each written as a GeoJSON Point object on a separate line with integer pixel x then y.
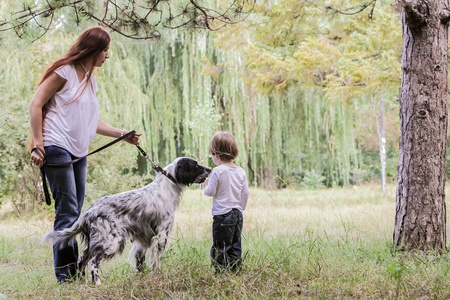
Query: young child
{"type": "Point", "coordinates": [228, 186]}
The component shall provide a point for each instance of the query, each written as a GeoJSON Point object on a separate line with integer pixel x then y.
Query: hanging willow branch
{"type": "Point", "coordinates": [135, 19]}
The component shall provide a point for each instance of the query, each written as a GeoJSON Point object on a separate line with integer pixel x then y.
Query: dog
{"type": "Point", "coordinates": [143, 216]}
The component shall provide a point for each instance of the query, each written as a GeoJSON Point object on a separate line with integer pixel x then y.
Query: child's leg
{"type": "Point", "coordinates": [223, 232]}
{"type": "Point", "coordinates": [235, 252]}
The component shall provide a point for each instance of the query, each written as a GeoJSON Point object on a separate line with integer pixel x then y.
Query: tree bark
{"type": "Point", "coordinates": [420, 221]}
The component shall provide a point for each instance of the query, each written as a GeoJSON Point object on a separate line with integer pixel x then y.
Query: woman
{"type": "Point", "coordinates": [64, 119]}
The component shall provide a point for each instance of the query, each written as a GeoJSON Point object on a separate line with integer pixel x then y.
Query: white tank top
{"type": "Point", "coordinates": [68, 124]}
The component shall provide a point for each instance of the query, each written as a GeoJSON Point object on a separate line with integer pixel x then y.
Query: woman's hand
{"type": "Point", "coordinates": [107, 130]}
{"type": "Point", "coordinates": [132, 139]}
{"type": "Point", "coordinates": [37, 158]}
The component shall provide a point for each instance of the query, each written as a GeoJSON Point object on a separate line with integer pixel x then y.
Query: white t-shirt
{"type": "Point", "coordinates": [229, 188]}
{"type": "Point", "coordinates": [72, 124]}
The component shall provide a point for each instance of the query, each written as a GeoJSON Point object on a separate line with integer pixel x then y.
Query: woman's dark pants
{"type": "Point", "coordinates": [68, 186]}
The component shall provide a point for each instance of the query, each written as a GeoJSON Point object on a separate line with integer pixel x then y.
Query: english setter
{"type": "Point", "coordinates": [144, 216]}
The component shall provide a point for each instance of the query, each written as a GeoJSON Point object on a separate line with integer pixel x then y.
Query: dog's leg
{"type": "Point", "coordinates": [137, 255]}
{"type": "Point", "coordinates": [152, 251]}
{"type": "Point", "coordinates": [93, 267]}
{"type": "Point", "coordinates": [82, 262]}
{"type": "Point", "coordinates": [158, 246]}
{"type": "Point", "coordinates": [106, 240]}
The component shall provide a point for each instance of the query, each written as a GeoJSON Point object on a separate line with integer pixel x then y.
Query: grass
{"type": "Point", "coordinates": [321, 244]}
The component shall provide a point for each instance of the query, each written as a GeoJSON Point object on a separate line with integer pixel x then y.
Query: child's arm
{"type": "Point", "coordinates": [245, 193]}
{"type": "Point", "coordinates": [211, 185]}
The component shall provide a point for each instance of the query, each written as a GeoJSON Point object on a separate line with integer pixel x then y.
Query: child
{"type": "Point", "coordinates": [228, 186]}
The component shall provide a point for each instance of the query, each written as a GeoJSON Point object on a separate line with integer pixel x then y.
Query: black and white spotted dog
{"type": "Point", "coordinates": [144, 216]}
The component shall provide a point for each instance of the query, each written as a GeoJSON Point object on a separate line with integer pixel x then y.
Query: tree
{"type": "Point", "coordinates": [420, 221]}
{"type": "Point", "coordinates": [131, 18]}
{"type": "Point", "coordinates": [346, 68]}
{"type": "Point", "coordinates": [354, 59]}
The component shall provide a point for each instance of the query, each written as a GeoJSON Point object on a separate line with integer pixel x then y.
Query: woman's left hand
{"type": "Point", "coordinates": [133, 139]}
{"type": "Point", "coordinates": [107, 130]}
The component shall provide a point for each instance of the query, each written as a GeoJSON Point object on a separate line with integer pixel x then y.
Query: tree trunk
{"type": "Point", "coordinates": [382, 138]}
{"type": "Point", "coordinates": [268, 181]}
{"type": "Point", "coordinates": [420, 221]}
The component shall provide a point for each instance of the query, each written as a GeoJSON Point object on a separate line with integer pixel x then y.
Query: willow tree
{"type": "Point", "coordinates": [337, 63]}
{"type": "Point", "coordinates": [420, 221]}
{"type": "Point", "coordinates": [150, 20]}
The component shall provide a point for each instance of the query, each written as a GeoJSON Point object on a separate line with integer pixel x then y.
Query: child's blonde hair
{"type": "Point", "coordinates": [224, 145]}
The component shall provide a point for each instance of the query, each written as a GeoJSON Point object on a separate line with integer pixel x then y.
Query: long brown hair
{"type": "Point", "coordinates": [90, 43]}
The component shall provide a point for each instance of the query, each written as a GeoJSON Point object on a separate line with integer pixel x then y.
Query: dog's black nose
{"type": "Point", "coordinates": [208, 169]}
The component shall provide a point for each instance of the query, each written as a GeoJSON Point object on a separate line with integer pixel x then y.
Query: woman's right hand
{"type": "Point", "coordinates": [37, 158]}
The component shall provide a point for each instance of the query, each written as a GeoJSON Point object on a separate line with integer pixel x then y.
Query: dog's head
{"type": "Point", "coordinates": [186, 171]}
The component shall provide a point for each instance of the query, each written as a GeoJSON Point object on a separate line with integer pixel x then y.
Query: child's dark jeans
{"type": "Point", "coordinates": [226, 250]}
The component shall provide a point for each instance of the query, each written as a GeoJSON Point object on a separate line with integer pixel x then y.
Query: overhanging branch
{"type": "Point", "coordinates": [132, 19]}
{"type": "Point", "coordinates": [356, 10]}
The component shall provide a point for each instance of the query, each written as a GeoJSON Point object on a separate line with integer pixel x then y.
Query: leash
{"type": "Point", "coordinates": [63, 165]}
{"type": "Point", "coordinates": [155, 167]}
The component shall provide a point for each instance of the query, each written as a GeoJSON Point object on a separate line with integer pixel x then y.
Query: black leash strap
{"type": "Point", "coordinates": [156, 167]}
{"type": "Point", "coordinates": [44, 181]}
{"type": "Point", "coordinates": [63, 165]}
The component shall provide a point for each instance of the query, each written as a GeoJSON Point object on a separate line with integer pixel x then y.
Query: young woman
{"type": "Point", "coordinates": [228, 186]}
{"type": "Point", "coordinates": [64, 118]}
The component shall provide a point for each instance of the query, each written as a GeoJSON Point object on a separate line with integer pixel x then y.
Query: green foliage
{"type": "Point", "coordinates": [17, 178]}
{"type": "Point", "coordinates": [202, 124]}
{"type": "Point", "coordinates": [312, 180]}
{"type": "Point", "coordinates": [338, 66]}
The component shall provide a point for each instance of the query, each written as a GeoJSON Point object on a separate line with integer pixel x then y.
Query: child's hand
{"type": "Point", "coordinates": [206, 181]}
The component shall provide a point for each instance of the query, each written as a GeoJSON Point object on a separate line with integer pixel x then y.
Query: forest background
{"type": "Point", "coordinates": [302, 88]}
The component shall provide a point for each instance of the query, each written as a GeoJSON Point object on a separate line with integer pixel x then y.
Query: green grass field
{"type": "Point", "coordinates": [320, 244]}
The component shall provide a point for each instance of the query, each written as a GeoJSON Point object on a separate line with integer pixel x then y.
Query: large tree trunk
{"type": "Point", "coordinates": [420, 221]}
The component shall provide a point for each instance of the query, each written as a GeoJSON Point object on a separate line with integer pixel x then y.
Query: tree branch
{"type": "Point", "coordinates": [355, 10]}
{"type": "Point", "coordinates": [129, 18]}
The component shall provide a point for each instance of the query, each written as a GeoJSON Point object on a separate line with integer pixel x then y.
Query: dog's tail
{"type": "Point", "coordinates": [66, 236]}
